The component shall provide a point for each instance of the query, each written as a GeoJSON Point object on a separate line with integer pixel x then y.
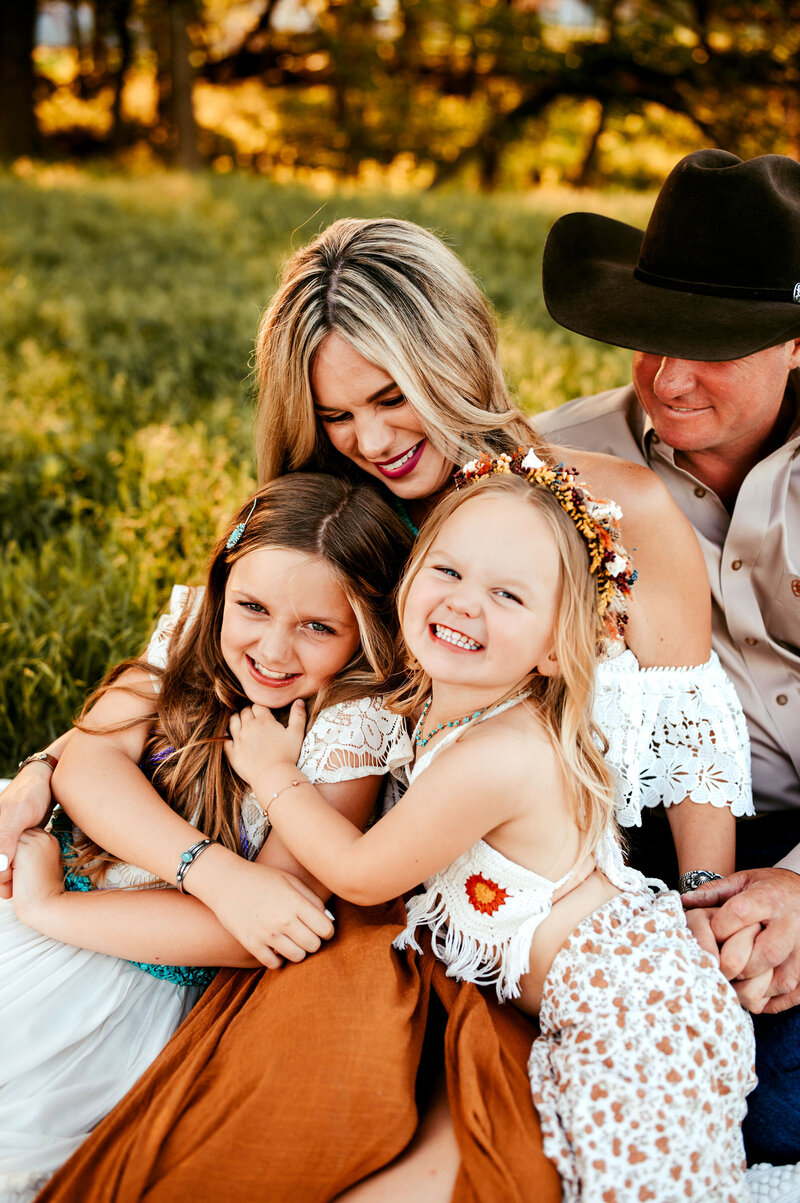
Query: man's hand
{"type": "Point", "coordinates": [765, 961]}
{"type": "Point", "coordinates": [24, 803]}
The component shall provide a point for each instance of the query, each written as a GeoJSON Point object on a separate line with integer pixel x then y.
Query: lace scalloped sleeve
{"type": "Point", "coordinates": [674, 733]}
{"type": "Point", "coordinates": [355, 739]}
{"type": "Point", "coordinates": [181, 597]}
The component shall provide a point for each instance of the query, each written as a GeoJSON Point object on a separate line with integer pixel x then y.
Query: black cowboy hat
{"type": "Point", "coordinates": [716, 274]}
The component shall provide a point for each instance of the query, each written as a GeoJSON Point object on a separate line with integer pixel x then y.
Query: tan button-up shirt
{"type": "Point", "coordinates": [753, 561]}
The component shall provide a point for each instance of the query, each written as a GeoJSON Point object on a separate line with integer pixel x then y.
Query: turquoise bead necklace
{"type": "Point", "coordinates": [421, 740]}
{"type": "Point", "coordinates": [404, 516]}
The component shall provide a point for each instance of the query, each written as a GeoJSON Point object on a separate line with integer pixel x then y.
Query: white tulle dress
{"type": "Point", "coordinates": [77, 1028]}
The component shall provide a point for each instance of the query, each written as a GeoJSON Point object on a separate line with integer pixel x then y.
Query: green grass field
{"type": "Point", "coordinates": [128, 308]}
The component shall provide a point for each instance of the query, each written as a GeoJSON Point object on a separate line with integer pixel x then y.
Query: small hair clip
{"type": "Point", "coordinates": [239, 530]}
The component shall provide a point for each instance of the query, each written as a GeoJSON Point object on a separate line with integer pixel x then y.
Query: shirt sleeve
{"type": "Point", "coordinates": [673, 733]}
{"type": "Point", "coordinates": [355, 739]}
{"type": "Point", "coordinates": [182, 596]}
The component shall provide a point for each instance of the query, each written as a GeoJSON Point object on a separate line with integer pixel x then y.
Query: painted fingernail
{"type": "Point", "coordinates": [327, 912]}
{"type": "Point", "coordinates": [4, 865]}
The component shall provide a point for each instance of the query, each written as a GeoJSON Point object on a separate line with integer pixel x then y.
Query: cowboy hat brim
{"type": "Point", "coordinates": [590, 287]}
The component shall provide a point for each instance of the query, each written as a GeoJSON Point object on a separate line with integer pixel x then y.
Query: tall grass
{"type": "Point", "coordinates": [128, 308]}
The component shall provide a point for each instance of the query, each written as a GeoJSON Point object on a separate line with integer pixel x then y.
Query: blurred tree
{"type": "Point", "coordinates": [341, 83]}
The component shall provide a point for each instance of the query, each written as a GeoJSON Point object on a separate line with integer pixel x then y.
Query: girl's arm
{"type": "Point", "coordinates": [156, 926]}
{"type": "Point", "coordinates": [101, 787]}
{"type": "Point", "coordinates": [457, 802]}
{"type": "Point", "coordinates": [24, 803]}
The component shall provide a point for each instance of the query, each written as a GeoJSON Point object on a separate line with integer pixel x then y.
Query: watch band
{"type": "Point", "coordinates": [40, 757]}
{"type": "Point", "coordinates": [695, 878]}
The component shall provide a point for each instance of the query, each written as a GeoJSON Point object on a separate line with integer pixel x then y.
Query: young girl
{"type": "Point", "coordinates": [298, 606]}
{"type": "Point", "coordinates": [644, 1059]}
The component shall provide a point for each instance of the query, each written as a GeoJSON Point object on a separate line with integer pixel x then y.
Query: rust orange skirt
{"type": "Point", "coordinates": [293, 1086]}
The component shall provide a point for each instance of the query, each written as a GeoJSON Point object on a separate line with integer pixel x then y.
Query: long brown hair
{"type": "Point", "coordinates": [564, 700]}
{"type": "Point", "coordinates": [364, 543]}
{"type": "Point", "coordinates": [404, 301]}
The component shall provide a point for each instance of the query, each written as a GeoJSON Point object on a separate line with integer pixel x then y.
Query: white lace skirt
{"type": "Point", "coordinates": [77, 1029]}
{"type": "Point", "coordinates": [645, 1058]}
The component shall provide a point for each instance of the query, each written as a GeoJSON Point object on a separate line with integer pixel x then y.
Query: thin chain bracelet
{"type": "Point", "coordinates": [278, 792]}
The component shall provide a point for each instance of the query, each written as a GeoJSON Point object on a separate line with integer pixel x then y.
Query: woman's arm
{"type": "Point", "coordinates": [24, 803]}
{"type": "Point", "coordinates": [704, 837]}
{"type": "Point", "coordinates": [669, 621]}
{"type": "Point", "coordinates": [458, 801]}
{"type": "Point", "coordinates": [157, 926]}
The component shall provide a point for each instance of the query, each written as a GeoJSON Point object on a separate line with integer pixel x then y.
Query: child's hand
{"type": "Point", "coordinates": [273, 914]}
{"type": "Point", "coordinates": [23, 803]}
{"type": "Point", "coordinates": [38, 875]}
{"type": "Point", "coordinates": [258, 742]}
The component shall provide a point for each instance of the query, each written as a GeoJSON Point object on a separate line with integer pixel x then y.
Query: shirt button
{"type": "Point", "coordinates": [781, 699]}
{"type": "Point", "coordinates": [699, 491]}
{"type": "Point", "coordinates": [655, 439]}
{"type": "Point", "coordinates": [750, 641]}
{"type": "Point", "coordinates": [736, 565]}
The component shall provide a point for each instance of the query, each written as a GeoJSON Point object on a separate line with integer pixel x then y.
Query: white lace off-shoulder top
{"type": "Point", "coordinates": [673, 733]}
{"type": "Point", "coordinates": [483, 909]}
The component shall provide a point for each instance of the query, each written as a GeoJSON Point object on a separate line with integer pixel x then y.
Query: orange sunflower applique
{"type": "Point", "coordinates": [485, 895]}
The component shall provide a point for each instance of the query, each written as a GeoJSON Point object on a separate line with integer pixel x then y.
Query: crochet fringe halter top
{"type": "Point", "coordinates": [483, 909]}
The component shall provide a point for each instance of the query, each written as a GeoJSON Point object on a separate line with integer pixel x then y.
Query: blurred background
{"type": "Point", "coordinates": [160, 160]}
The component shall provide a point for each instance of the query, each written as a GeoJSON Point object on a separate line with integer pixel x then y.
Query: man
{"type": "Point", "coordinates": [708, 297]}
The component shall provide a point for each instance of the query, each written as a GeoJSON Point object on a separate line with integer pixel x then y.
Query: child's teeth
{"type": "Point", "coordinates": [457, 638]}
{"type": "Point", "coordinates": [267, 672]}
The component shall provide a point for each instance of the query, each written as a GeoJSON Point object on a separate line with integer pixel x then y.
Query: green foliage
{"type": "Point", "coordinates": [128, 309]}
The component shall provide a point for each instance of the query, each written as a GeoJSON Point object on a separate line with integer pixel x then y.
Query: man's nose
{"type": "Point", "coordinates": [674, 378]}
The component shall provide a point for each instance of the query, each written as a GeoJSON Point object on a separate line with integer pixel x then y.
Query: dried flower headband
{"type": "Point", "coordinates": [596, 521]}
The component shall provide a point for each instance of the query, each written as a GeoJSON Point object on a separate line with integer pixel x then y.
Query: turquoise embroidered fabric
{"type": "Point", "coordinates": [182, 975]}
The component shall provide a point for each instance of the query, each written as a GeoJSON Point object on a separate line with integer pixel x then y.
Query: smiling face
{"type": "Point", "coordinates": [287, 626]}
{"type": "Point", "coordinates": [367, 418]}
{"type": "Point", "coordinates": [729, 408]}
{"type": "Point", "coordinates": [480, 612]}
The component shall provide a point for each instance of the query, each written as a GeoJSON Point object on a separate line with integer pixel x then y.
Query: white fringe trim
{"type": "Point", "coordinates": [500, 963]}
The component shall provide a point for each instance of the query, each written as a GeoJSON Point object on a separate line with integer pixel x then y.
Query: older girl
{"type": "Point", "coordinates": [298, 605]}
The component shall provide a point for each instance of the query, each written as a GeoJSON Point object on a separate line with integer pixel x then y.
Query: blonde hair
{"type": "Point", "coordinates": [563, 701]}
{"type": "Point", "coordinates": [365, 544]}
{"type": "Point", "coordinates": [397, 295]}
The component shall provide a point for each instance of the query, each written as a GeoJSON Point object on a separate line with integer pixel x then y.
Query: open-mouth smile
{"type": "Point", "coordinates": [404, 463]}
{"type": "Point", "coordinates": [454, 638]}
{"type": "Point", "coordinates": [268, 676]}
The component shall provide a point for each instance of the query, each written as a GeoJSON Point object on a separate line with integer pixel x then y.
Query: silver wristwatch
{"type": "Point", "coordinates": [694, 878]}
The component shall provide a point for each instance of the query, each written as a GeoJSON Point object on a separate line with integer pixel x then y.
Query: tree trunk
{"type": "Point", "coordinates": [18, 131]}
{"type": "Point", "coordinates": [177, 96]}
{"type": "Point", "coordinates": [121, 10]}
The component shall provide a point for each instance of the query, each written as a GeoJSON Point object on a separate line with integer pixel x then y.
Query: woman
{"type": "Point", "coordinates": [378, 355]}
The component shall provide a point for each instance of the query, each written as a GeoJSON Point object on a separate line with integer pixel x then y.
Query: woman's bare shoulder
{"type": "Point", "coordinates": [619, 479]}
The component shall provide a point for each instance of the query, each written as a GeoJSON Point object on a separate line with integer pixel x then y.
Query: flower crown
{"type": "Point", "coordinates": [596, 521]}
